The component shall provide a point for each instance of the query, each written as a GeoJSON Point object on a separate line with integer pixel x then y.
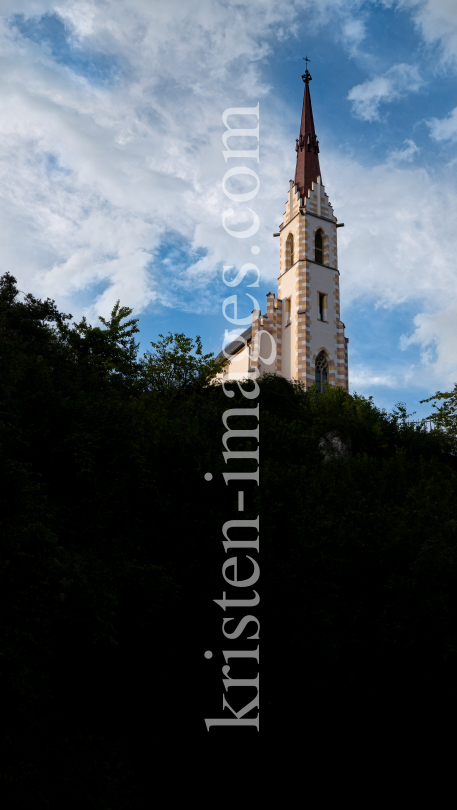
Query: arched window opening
{"type": "Point", "coordinates": [321, 371]}
{"type": "Point", "coordinates": [319, 247]}
{"type": "Point", "coordinates": [290, 259]}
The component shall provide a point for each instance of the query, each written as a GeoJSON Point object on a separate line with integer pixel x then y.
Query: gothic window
{"type": "Point", "coordinates": [290, 259]}
{"type": "Point", "coordinates": [319, 247]}
{"type": "Point", "coordinates": [321, 371]}
{"type": "Point", "coordinates": [287, 313]}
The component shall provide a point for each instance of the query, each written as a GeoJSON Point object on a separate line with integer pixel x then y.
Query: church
{"type": "Point", "coordinates": [304, 319]}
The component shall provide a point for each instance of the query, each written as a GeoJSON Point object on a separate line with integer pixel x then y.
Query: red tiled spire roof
{"type": "Point", "coordinates": [307, 148]}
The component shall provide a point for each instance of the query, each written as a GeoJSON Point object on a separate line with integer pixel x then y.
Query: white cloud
{"type": "Point", "coordinates": [444, 129]}
{"type": "Point", "coordinates": [406, 154]}
{"type": "Point", "coordinates": [394, 84]}
{"type": "Point", "coordinates": [437, 22]}
{"type": "Point", "coordinates": [363, 378]}
{"type": "Point", "coordinates": [353, 33]}
{"type": "Point", "coordinates": [93, 176]}
{"type": "Point", "coordinates": [398, 249]}
{"type": "Point", "coordinates": [399, 241]}
{"type": "Point", "coordinates": [436, 334]}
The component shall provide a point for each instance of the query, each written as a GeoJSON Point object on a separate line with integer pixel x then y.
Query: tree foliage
{"type": "Point", "coordinates": [111, 554]}
{"type": "Point", "coordinates": [445, 415]}
{"type": "Point", "coordinates": [178, 364]}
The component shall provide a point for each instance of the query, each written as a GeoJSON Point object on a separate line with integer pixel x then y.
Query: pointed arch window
{"type": "Point", "coordinates": [290, 258]}
{"type": "Point", "coordinates": [321, 371]}
{"type": "Point", "coordinates": [319, 247]}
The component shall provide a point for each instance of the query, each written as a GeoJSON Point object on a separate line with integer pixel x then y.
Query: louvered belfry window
{"type": "Point", "coordinates": [288, 309]}
{"type": "Point", "coordinates": [319, 247]}
{"type": "Point", "coordinates": [290, 242]}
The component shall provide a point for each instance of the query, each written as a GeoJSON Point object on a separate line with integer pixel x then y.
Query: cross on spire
{"type": "Point", "coordinates": [307, 146]}
{"type": "Point", "coordinates": [307, 75]}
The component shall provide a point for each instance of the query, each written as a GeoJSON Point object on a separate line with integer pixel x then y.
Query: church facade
{"type": "Point", "coordinates": [304, 319]}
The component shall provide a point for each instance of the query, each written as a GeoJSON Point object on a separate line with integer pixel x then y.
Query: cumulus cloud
{"type": "Point", "coordinates": [405, 154]}
{"type": "Point", "coordinates": [353, 33]}
{"type": "Point", "coordinates": [111, 161]}
{"type": "Point", "coordinates": [444, 129]}
{"type": "Point", "coordinates": [110, 140]}
{"type": "Point", "coordinates": [398, 249]}
{"type": "Point", "coordinates": [110, 143]}
{"type": "Point", "coordinates": [365, 378]}
{"type": "Point", "coordinates": [437, 23]}
{"type": "Point", "coordinates": [394, 84]}
{"type": "Point", "coordinates": [389, 249]}
{"type": "Point", "coordinates": [436, 334]}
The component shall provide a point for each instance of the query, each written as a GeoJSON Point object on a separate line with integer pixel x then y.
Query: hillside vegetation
{"type": "Point", "coordinates": [111, 554]}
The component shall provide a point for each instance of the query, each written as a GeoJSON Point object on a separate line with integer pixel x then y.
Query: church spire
{"type": "Point", "coordinates": [307, 147]}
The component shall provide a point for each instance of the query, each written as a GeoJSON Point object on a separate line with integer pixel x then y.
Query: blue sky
{"type": "Point", "coordinates": [111, 164]}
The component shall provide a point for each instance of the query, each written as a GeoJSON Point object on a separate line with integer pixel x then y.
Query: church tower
{"type": "Point", "coordinates": [304, 320]}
